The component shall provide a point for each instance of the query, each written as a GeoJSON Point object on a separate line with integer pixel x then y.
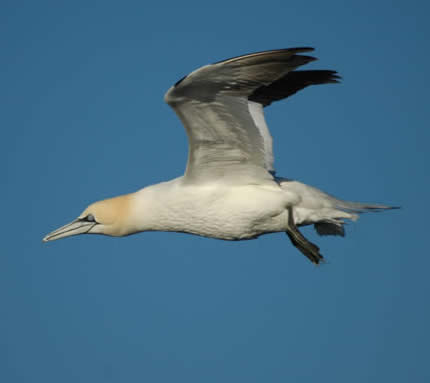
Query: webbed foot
{"type": "Point", "coordinates": [309, 249]}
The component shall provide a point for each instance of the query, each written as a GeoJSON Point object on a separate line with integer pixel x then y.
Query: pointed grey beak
{"type": "Point", "coordinates": [78, 226]}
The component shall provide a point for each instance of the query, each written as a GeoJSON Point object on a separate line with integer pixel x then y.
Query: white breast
{"type": "Point", "coordinates": [217, 211]}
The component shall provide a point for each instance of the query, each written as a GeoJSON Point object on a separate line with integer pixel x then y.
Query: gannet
{"type": "Point", "coordinates": [229, 190]}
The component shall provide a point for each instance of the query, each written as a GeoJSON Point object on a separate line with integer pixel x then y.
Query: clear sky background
{"type": "Point", "coordinates": [83, 118]}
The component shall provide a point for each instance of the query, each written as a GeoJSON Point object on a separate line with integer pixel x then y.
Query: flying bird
{"type": "Point", "coordinates": [229, 190]}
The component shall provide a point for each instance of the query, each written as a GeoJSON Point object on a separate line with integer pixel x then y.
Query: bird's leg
{"type": "Point", "coordinates": [309, 249]}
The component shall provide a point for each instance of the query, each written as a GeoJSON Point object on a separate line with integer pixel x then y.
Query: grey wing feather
{"type": "Point", "coordinates": [227, 134]}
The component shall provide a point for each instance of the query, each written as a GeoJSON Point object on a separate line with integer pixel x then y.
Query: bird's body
{"type": "Point", "coordinates": [229, 190]}
{"type": "Point", "coordinates": [232, 212]}
{"type": "Point", "coordinates": [216, 210]}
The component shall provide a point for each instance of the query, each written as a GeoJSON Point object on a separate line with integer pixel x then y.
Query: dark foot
{"type": "Point", "coordinates": [309, 249]}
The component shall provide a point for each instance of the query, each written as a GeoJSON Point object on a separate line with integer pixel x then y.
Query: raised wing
{"type": "Point", "coordinates": [221, 107]}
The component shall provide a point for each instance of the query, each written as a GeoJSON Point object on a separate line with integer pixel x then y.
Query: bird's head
{"type": "Point", "coordinates": [111, 216]}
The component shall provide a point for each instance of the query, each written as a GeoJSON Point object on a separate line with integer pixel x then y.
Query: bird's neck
{"type": "Point", "coordinates": [153, 207]}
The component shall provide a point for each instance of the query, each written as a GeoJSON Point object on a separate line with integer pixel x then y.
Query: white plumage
{"type": "Point", "coordinates": [229, 190]}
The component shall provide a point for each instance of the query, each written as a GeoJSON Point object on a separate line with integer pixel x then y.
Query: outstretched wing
{"type": "Point", "coordinates": [221, 108]}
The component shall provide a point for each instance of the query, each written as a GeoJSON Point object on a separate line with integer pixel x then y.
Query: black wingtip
{"type": "Point", "coordinates": [291, 83]}
{"type": "Point", "coordinates": [300, 49]}
{"type": "Point", "coordinates": [333, 77]}
{"type": "Point", "coordinates": [307, 59]}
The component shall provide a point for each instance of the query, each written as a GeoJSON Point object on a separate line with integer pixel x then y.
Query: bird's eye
{"type": "Point", "coordinates": [90, 218]}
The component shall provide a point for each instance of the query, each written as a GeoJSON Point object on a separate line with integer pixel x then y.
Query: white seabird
{"type": "Point", "coordinates": [229, 190]}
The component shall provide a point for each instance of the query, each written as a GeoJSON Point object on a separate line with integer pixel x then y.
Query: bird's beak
{"type": "Point", "coordinates": [76, 227]}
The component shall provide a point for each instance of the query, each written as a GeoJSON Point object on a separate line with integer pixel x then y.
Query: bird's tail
{"type": "Point", "coordinates": [334, 224]}
{"type": "Point", "coordinates": [358, 207]}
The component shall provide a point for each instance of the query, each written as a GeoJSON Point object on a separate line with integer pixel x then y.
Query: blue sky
{"type": "Point", "coordinates": [83, 118]}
